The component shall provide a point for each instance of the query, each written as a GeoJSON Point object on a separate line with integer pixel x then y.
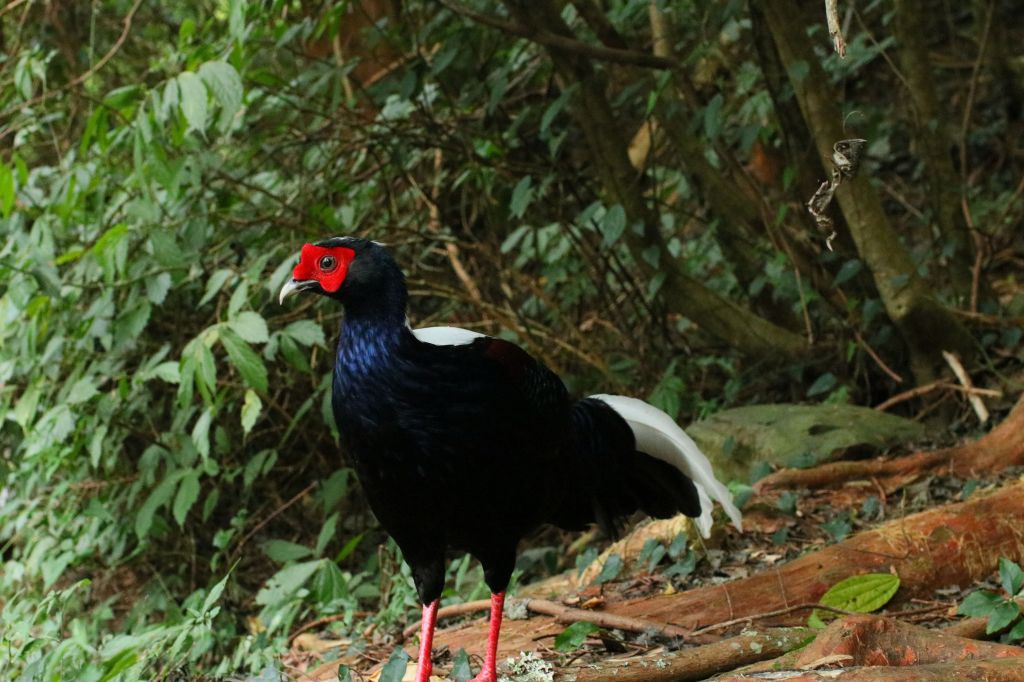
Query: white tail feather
{"type": "Point", "coordinates": [659, 436]}
{"type": "Point", "coordinates": [446, 336]}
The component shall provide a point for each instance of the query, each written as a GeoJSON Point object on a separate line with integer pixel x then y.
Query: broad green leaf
{"type": "Point", "coordinates": [394, 669]}
{"type": "Point", "coordinates": [860, 593]}
{"type": "Point", "coordinates": [250, 410]}
{"type": "Point", "coordinates": [83, 389]}
{"type": "Point", "coordinates": [167, 371]}
{"type": "Point", "coordinates": [306, 332]}
{"type": "Point", "coordinates": [159, 497]}
{"type": "Point", "coordinates": [226, 86]}
{"type": "Point", "coordinates": [1016, 633]}
{"type": "Point", "coordinates": [283, 551]}
{"type": "Point", "coordinates": [285, 582]}
{"type": "Point", "coordinates": [613, 224]}
{"type": "Point", "coordinates": [188, 493]}
{"type": "Point", "coordinates": [201, 433]}
{"type": "Point", "coordinates": [215, 283]}
{"type": "Point", "coordinates": [6, 190]}
{"type": "Point", "coordinates": [522, 195]}
{"type": "Point", "coordinates": [1011, 577]}
{"type": "Point", "coordinates": [326, 533]}
{"type": "Point", "coordinates": [461, 671]}
{"type": "Point", "coordinates": [250, 326]}
{"type": "Point", "coordinates": [215, 593]}
{"type": "Point", "coordinates": [245, 360]}
{"type": "Point", "coordinates": [193, 100]}
{"type": "Point", "coordinates": [610, 570]}
{"type": "Point", "coordinates": [823, 384]}
{"type": "Point", "coordinates": [572, 638]}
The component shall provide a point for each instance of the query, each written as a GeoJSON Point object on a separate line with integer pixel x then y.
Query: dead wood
{"type": "Point", "coordinates": [998, 670]}
{"type": "Point", "coordinates": [1000, 448]}
{"type": "Point", "coordinates": [950, 545]}
{"type": "Point", "coordinates": [697, 663]}
{"type": "Point", "coordinates": [867, 640]}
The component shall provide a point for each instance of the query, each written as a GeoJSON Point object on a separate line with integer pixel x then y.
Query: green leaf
{"type": "Point", "coordinates": [822, 384]}
{"type": "Point", "coordinates": [201, 433]}
{"type": "Point", "coordinates": [250, 410]}
{"type": "Point", "coordinates": [610, 571]}
{"type": "Point", "coordinates": [572, 638]}
{"type": "Point", "coordinates": [522, 195]}
{"type": "Point", "coordinates": [349, 547]}
{"type": "Point", "coordinates": [613, 224]}
{"type": "Point", "coordinates": [250, 326]}
{"type": "Point", "coordinates": [83, 389]}
{"type": "Point", "coordinates": [306, 332]}
{"type": "Point", "coordinates": [860, 593]}
{"type": "Point", "coordinates": [188, 493]}
{"type": "Point", "coordinates": [167, 371]}
{"type": "Point", "coordinates": [226, 86]}
{"type": "Point", "coordinates": [513, 239]}
{"type": "Point", "coordinates": [215, 593]}
{"type": "Point", "coordinates": [326, 533]}
{"type": "Point", "coordinates": [980, 604]}
{"type": "Point", "coordinates": [394, 670]}
{"type": "Point", "coordinates": [461, 672]}
{"type": "Point", "coordinates": [193, 100]}
{"type": "Point", "coordinates": [286, 582]}
{"type": "Point", "coordinates": [158, 498]}
{"type": "Point", "coordinates": [6, 190]}
{"type": "Point", "coordinates": [1016, 634]}
{"type": "Point", "coordinates": [245, 360]}
{"type": "Point", "coordinates": [1002, 616]}
{"type": "Point", "coordinates": [848, 271]}
{"type": "Point", "coordinates": [215, 283]}
{"type": "Point", "coordinates": [283, 551]}
{"type": "Point", "coordinates": [1010, 576]}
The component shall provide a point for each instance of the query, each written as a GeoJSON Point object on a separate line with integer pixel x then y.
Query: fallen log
{"type": "Point", "coordinates": [697, 663]}
{"type": "Point", "coordinates": [1000, 448]}
{"type": "Point", "coordinates": [951, 545]}
{"type": "Point", "coordinates": [999, 670]}
{"type": "Point", "coordinates": [868, 640]}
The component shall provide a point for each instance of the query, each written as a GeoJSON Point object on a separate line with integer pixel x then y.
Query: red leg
{"type": "Point", "coordinates": [489, 673]}
{"type": "Point", "coordinates": [424, 665]}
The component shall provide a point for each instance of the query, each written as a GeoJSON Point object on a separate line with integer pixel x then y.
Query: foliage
{"type": "Point", "coordinates": [858, 593]}
{"type": "Point", "coordinates": [1003, 611]}
{"type": "Point", "coordinates": [573, 637]}
{"type": "Point", "coordinates": [172, 495]}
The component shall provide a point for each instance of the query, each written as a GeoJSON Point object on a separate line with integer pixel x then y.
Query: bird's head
{"type": "Point", "coordinates": [348, 269]}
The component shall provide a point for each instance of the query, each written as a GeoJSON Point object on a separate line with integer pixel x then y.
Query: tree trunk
{"type": "Point", "coordinates": [721, 318]}
{"type": "Point", "coordinates": [933, 145]}
{"type": "Point", "coordinates": [927, 328]}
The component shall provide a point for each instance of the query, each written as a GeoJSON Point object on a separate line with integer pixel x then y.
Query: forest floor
{"type": "Point", "coordinates": [663, 612]}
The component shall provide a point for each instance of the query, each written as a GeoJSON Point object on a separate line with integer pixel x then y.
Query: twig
{"type": "Point", "coordinates": [317, 623]}
{"type": "Point", "coordinates": [10, 6]}
{"type": "Point", "coordinates": [259, 526]}
{"type": "Point", "coordinates": [446, 612]}
{"type": "Point", "coordinates": [935, 386]}
{"type": "Point", "coordinates": [874, 356]}
{"type": "Point", "coordinates": [835, 31]}
{"type": "Point", "coordinates": [961, 374]}
{"type": "Point", "coordinates": [771, 614]}
{"type": "Point", "coordinates": [569, 615]}
{"type": "Point", "coordinates": [972, 90]}
{"type": "Point", "coordinates": [81, 78]}
{"type": "Point", "coordinates": [548, 39]}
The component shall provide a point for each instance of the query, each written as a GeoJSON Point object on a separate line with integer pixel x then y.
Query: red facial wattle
{"type": "Point", "coordinates": [315, 264]}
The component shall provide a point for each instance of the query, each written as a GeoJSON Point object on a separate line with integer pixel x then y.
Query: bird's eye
{"type": "Point", "coordinates": [328, 263]}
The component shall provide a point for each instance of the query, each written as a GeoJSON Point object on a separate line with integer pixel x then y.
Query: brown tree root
{"type": "Point", "coordinates": [1002, 447]}
{"type": "Point", "coordinates": [998, 670]}
{"type": "Point", "coordinates": [692, 664]}
{"type": "Point", "coordinates": [867, 640]}
{"type": "Point", "coordinates": [951, 545]}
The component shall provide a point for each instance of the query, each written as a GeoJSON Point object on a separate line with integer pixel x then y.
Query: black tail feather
{"type": "Point", "coordinates": [612, 479]}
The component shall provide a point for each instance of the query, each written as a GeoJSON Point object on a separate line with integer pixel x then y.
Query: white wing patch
{"type": "Point", "coordinates": [658, 435]}
{"type": "Point", "coordinates": [446, 336]}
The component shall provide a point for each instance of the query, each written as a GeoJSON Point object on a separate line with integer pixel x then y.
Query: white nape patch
{"type": "Point", "coordinates": [658, 435]}
{"type": "Point", "coordinates": [446, 336]}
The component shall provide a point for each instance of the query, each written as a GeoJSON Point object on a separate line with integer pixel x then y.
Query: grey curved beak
{"type": "Point", "coordinates": [293, 285]}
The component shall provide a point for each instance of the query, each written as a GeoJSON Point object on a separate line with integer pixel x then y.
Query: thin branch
{"type": "Point", "coordinates": [548, 39]}
{"type": "Point", "coordinates": [835, 31]}
{"type": "Point", "coordinates": [81, 78]}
